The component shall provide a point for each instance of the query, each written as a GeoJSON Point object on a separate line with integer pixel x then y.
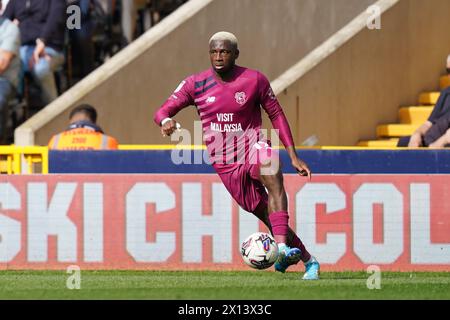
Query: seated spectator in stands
{"type": "Point", "coordinates": [9, 67]}
{"type": "Point", "coordinates": [156, 11]}
{"type": "Point", "coordinates": [165, 7]}
{"type": "Point", "coordinates": [108, 6]}
{"type": "Point", "coordinates": [42, 29]}
{"type": "Point", "coordinates": [130, 11]}
{"type": "Point", "coordinates": [435, 132]}
{"type": "Point", "coordinates": [4, 4]}
{"type": "Point", "coordinates": [448, 66]}
{"type": "Point", "coordinates": [83, 133]}
{"type": "Point", "coordinates": [82, 42]}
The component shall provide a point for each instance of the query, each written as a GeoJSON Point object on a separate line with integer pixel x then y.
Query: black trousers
{"type": "Point", "coordinates": [437, 130]}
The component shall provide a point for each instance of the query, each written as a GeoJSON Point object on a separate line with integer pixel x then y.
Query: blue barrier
{"type": "Point", "coordinates": [320, 161]}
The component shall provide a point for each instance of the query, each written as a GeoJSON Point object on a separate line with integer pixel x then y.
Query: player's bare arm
{"type": "Point", "coordinates": [299, 165]}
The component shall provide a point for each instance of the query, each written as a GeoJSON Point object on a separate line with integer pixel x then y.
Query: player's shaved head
{"type": "Point", "coordinates": [224, 36]}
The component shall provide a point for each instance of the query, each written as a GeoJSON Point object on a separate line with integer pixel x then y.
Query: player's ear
{"type": "Point", "coordinates": [236, 53]}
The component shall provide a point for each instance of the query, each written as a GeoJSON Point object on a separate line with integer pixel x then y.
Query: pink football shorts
{"type": "Point", "coordinates": [243, 182]}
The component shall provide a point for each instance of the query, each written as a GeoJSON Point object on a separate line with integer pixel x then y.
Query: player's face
{"type": "Point", "coordinates": [222, 55]}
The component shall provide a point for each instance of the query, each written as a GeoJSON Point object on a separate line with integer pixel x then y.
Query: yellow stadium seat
{"type": "Point", "coordinates": [411, 117]}
{"type": "Point", "coordinates": [384, 143]}
{"type": "Point", "coordinates": [444, 82]}
{"type": "Point", "coordinates": [414, 114]}
{"type": "Point", "coordinates": [3, 166]}
{"type": "Point", "coordinates": [428, 98]}
{"type": "Point", "coordinates": [396, 130]}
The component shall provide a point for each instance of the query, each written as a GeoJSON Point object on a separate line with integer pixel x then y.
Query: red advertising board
{"type": "Point", "coordinates": [398, 222]}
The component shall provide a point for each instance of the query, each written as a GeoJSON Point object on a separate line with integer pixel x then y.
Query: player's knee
{"type": "Point", "coordinates": [267, 178]}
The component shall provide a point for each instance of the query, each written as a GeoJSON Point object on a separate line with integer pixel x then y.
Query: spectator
{"type": "Point", "coordinates": [83, 133]}
{"type": "Point", "coordinates": [130, 10]}
{"type": "Point", "coordinates": [99, 38]}
{"type": "Point", "coordinates": [435, 132]}
{"type": "Point", "coordinates": [165, 7]}
{"type": "Point", "coordinates": [2, 9]}
{"type": "Point", "coordinates": [154, 11]}
{"type": "Point", "coordinates": [82, 43]}
{"type": "Point", "coordinates": [42, 29]}
{"type": "Point", "coordinates": [448, 66]}
{"type": "Point", "coordinates": [9, 67]}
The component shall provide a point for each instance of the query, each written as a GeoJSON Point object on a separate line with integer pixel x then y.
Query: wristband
{"type": "Point", "coordinates": [178, 126]}
{"type": "Point", "coordinates": [164, 121]}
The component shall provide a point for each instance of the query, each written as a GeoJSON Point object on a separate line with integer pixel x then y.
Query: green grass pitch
{"type": "Point", "coordinates": [207, 285]}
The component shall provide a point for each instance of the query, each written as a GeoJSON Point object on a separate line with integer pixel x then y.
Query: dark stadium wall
{"type": "Point", "coordinates": [273, 35]}
{"type": "Point", "coordinates": [365, 81]}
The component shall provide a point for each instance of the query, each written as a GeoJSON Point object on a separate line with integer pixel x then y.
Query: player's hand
{"type": "Point", "coordinates": [169, 127]}
{"type": "Point", "coordinates": [301, 167]}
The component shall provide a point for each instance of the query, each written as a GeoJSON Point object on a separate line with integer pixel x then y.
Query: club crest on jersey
{"type": "Point", "coordinates": [240, 97]}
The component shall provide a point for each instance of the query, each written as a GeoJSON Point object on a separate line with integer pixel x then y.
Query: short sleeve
{"type": "Point", "coordinates": [11, 40]}
{"type": "Point", "coordinates": [181, 97]}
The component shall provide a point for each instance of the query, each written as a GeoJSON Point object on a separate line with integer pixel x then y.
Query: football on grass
{"type": "Point", "coordinates": [259, 250]}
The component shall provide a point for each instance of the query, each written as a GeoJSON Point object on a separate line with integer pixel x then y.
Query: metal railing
{"type": "Point", "coordinates": [23, 160]}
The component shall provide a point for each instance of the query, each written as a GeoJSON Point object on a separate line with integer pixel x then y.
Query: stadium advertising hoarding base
{"type": "Point", "coordinates": [173, 221]}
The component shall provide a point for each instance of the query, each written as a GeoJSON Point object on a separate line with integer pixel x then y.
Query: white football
{"type": "Point", "coordinates": [259, 250]}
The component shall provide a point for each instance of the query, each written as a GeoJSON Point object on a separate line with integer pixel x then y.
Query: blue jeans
{"type": "Point", "coordinates": [6, 91]}
{"type": "Point", "coordinates": [42, 71]}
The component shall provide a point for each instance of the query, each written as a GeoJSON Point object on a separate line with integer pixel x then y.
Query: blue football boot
{"type": "Point", "coordinates": [286, 257]}
{"type": "Point", "coordinates": [312, 269]}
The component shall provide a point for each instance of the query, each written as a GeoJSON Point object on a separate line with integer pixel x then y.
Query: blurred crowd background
{"type": "Point", "coordinates": [107, 26]}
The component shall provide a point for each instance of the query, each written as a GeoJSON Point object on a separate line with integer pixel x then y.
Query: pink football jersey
{"type": "Point", "coordinates": [230, 112]}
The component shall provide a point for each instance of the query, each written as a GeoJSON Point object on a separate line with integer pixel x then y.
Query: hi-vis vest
{"type": "Point", "coordinates": [82, 139]}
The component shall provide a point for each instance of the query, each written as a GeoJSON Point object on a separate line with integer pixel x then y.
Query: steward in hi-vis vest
{"type": "Point", "coordinates": [83, 133]}
{"type": "Point", "coordinates": [82, 136]}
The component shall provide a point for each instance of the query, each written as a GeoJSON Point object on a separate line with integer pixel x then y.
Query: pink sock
{"type": "Point", "coordinates": [297, 243]}
{"type": "Point", "coordinates": [280, 228]}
